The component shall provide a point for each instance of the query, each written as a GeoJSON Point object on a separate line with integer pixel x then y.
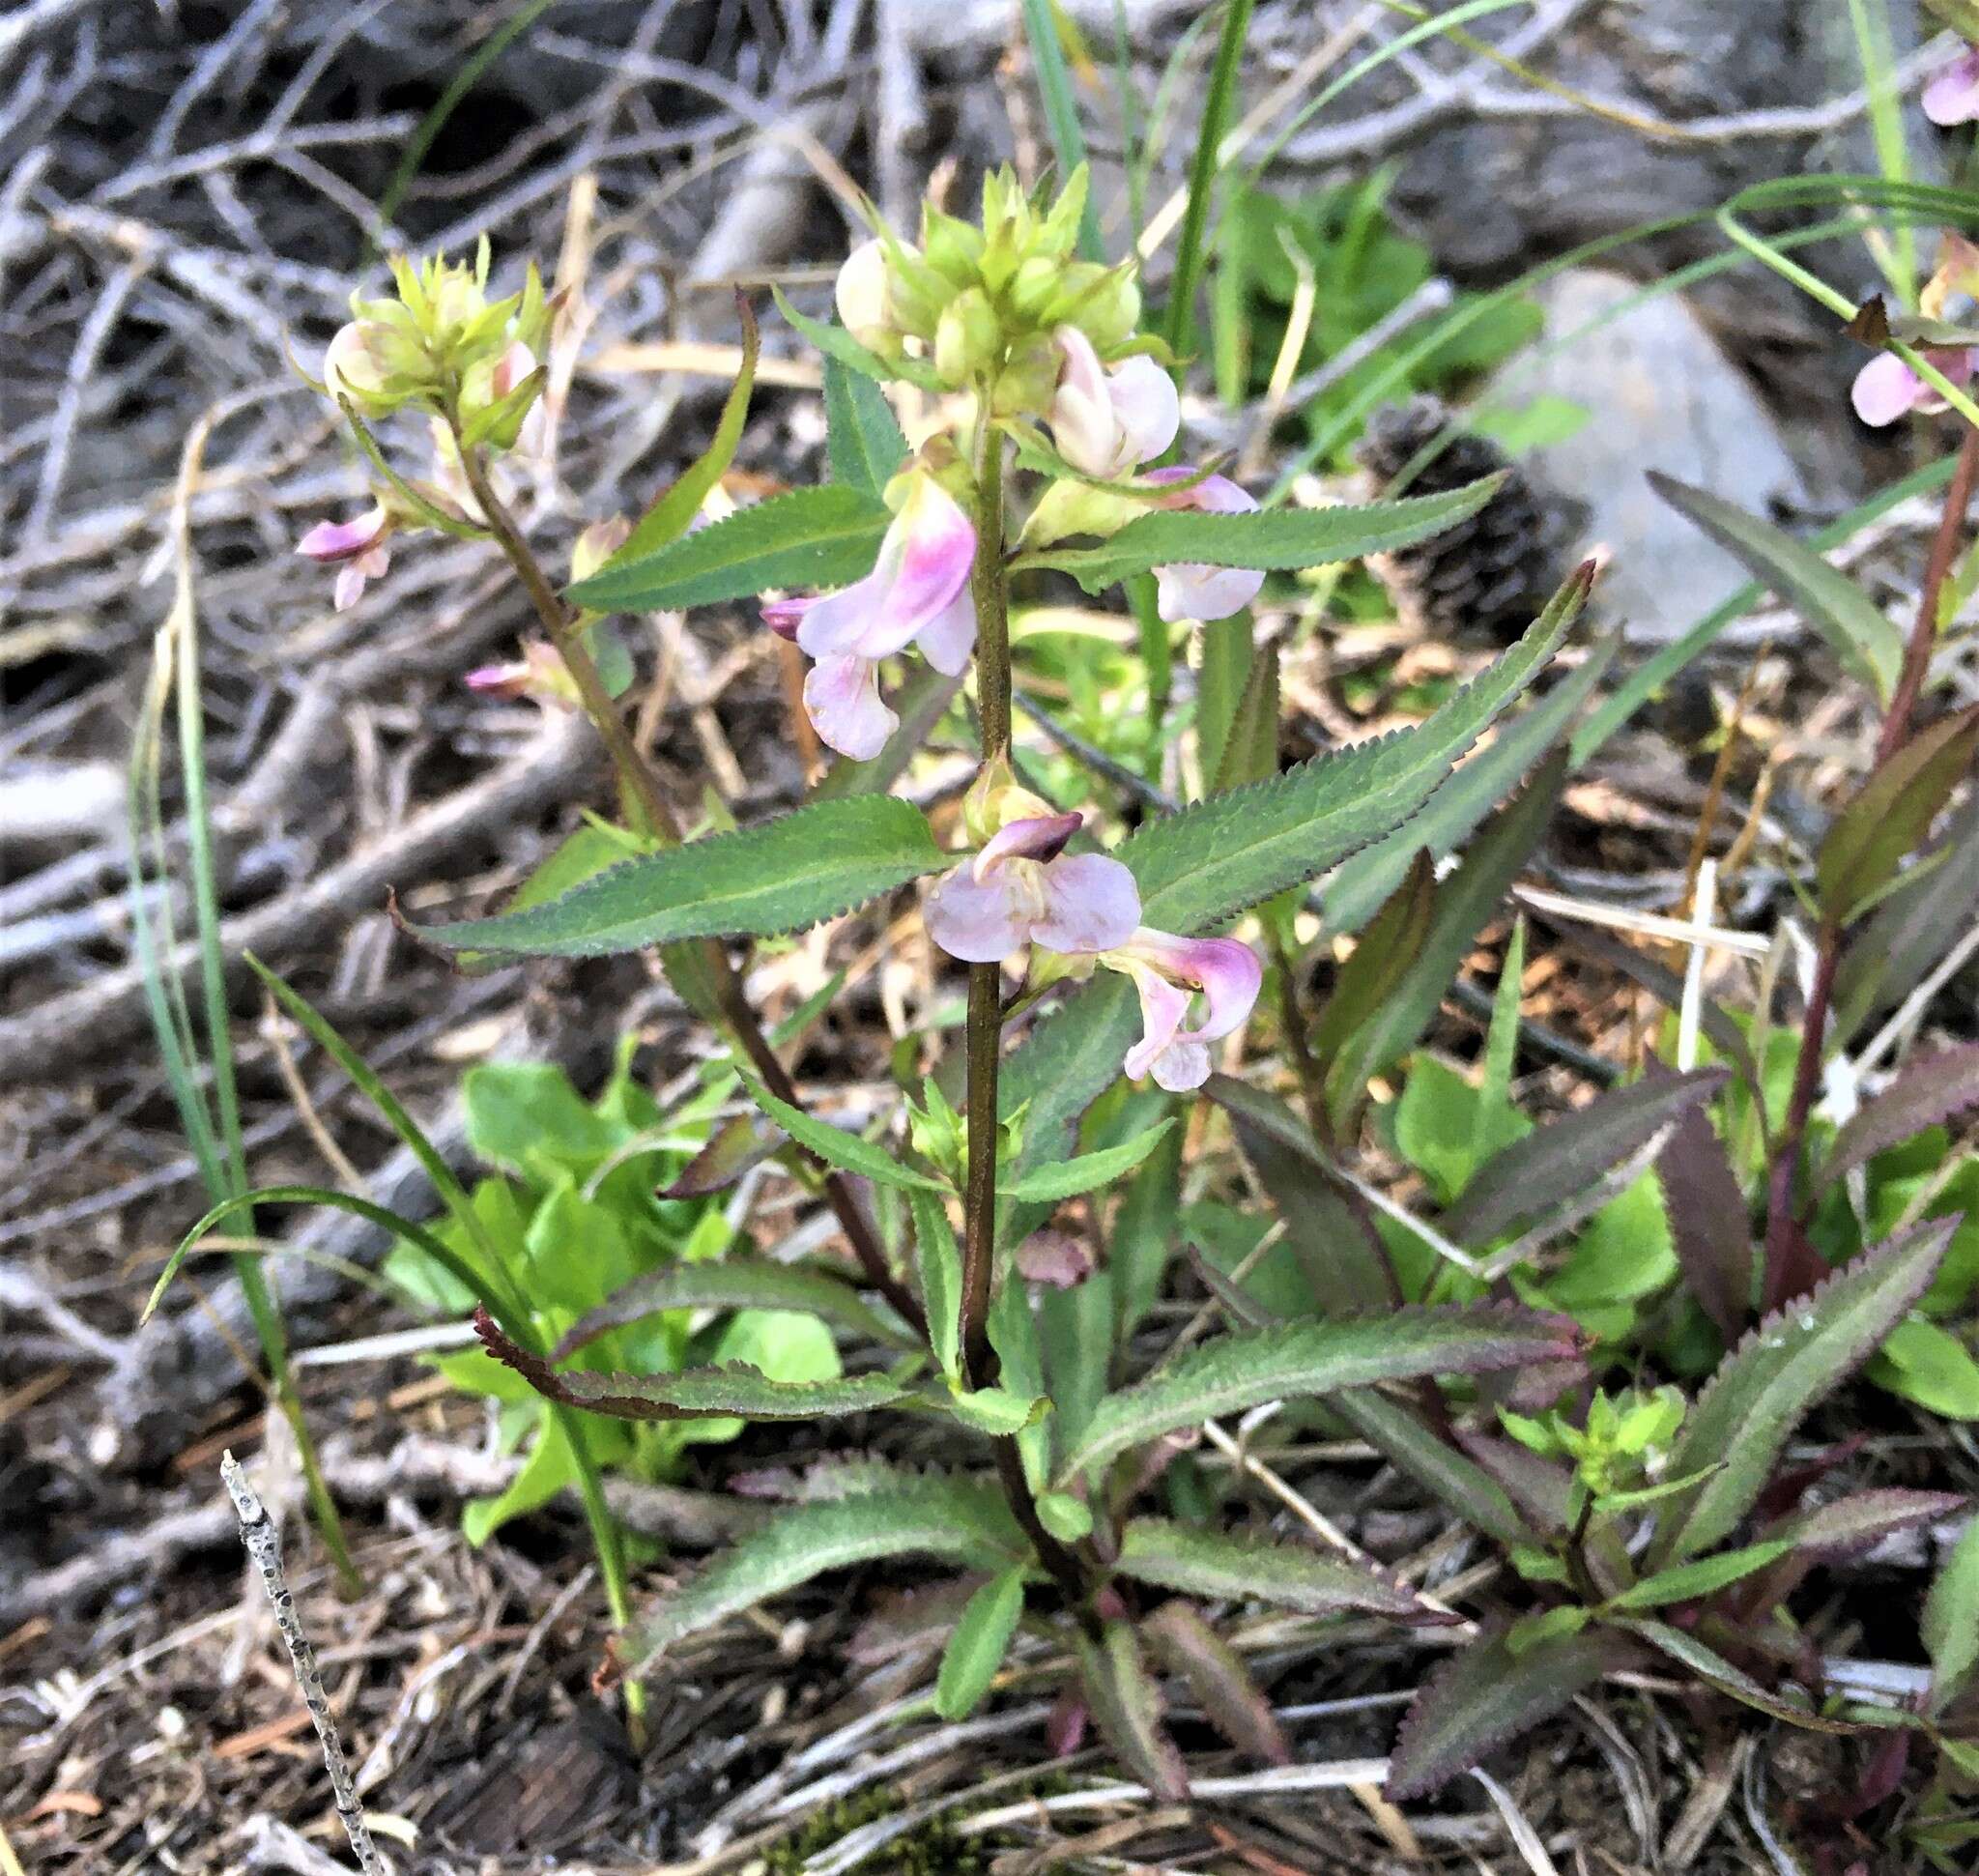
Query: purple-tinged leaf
{"type": "Point", "coordinates": [1765, 1386]}
{"type": "Point", "coordinates": [1293, 1360]}
{"type": "Point", "coordinates": [1127, 1705]}
{"type": "Point", "coordinates": [731, 1391]}
{"type": "Point", "coordinates": [1488, 1695]}
{"type": "Point", "coordinates": [1890, 816]}
{"type": "Point", "coordinates": [1392, 942]}
{"type": "Point", "coordinates": [1930, 1090]}
{"type": "Point", "coordinates": [1542, 1491]}
{"type": "Point", "coordinates": [1408, 1442]}
{"type": "Point", "coordinates": [1558, 1161]}
{"type": "Point", "coordinates": [1337, 1248]}
{"type": "Point", "coordinates": [1903, 942]}
{"type": "Point", "coordinates": [732, 1149]}
{"type": "Point", "coordinates": [1715, 1671]}
{"type": "Point", "coordinates": [1848, 1526]}
{"type": "Point", "coordinates": [1232, 1569]}
{"type": "Point", "coordinates": [1709, 1224]}
{"type": "Point", "coordinates": [733, 1284]}
{"type": "Point", "coordinates": [1222, 1686]}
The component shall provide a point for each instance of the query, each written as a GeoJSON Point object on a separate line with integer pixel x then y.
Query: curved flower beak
{"type": "Point", "coordinates": [1024, 887]}
{"type": "Point", "coordinates": [1040, 837]}
{"type": "Point", "coordinates": [331, 542]}
{"type": "Point", "coordinates": [1951, 97]}
{"type": "Point", "coordinates": [1106, 421]}
{"type": "Point", "coordinates": [784, 615]}
{"type": "Point", "coordinates": [923, 568]}
{"type": "Point", "coordinates": [539, 672]}
{"type": "Point", "coordinates": [1167, 970]}
{"type": "Point", "coordinates": [1886, 390]}
{"type": "Point", "coordinates": [1193, 590]}
{"type": "Point", "coordinates": [842, 699]}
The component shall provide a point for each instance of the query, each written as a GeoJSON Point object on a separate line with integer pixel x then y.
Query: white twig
{"type": "Point", "coordinates": [265, 1545]}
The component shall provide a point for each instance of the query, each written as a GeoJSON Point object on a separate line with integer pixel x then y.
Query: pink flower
{"type": "Point", "coordinates": [1886, 388]}
{"type": "Point", "coordinates": [1055, 1258]}
{"type": "Point", "coordinates": [356, 548]}
{"type": "Point", "coordinates": [1168, 971]}
{"type": "Point", "coordinates": [1193, 590]}
{"type": "Point", "coordinates": [1951, 97]}
{"type": "Point", "coordinates": [1024, 887]}
{"type": "Point", "coordinates": [539, 672]}
{"type": "Point", "coordinates": [1106, 420]}
{"type": "Point", "coordinates": [918, 592]}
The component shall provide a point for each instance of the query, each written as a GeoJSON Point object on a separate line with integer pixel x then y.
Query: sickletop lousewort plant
{"type": "Point", "coordinates": [1051, 402]}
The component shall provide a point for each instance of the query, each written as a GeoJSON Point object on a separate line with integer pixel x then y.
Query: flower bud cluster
{"type": "Point", "coordinates": [986, 302]}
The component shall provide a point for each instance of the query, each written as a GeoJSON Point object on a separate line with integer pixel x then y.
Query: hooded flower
{"type": "Point", "coordinates": [1107, 419]}
{"type": "Point", "coordinates": [1168, 971]}
{"type": "Point", "coordinates": [1887, 390]}
{"type": "Point", "coordinates": [1024, 888]}
{"type": "Point", "coordinates": [539, 672]}
{"type": "Point", "coordinates": [1951, 97]}
{"type": "Point", "coordinates": [1193, 590]}
{"type": "Point", "coordinates": [863, 296]}
{"type": "Point", "coordinates": [918, 592]}
{"type": "Point", "coordinates": [356, 548]}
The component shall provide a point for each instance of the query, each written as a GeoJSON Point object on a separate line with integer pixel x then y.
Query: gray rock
{"type": "Point", "coordinates": [1663, 396]}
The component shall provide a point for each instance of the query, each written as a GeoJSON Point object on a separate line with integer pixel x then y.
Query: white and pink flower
{"type": "Point", "coordinates": [356, 548]}
{"type": "Point", "coordinates": [917, 594]}
{"type": "Point", "coordinates": [1107, 419]}
{"type": "Point", "coordinates": [1193, 590]}
{"type": "Point", "coordinates": [1886, 390]}
{"type": "Point", "coordinates": [1170, 973]}
{"type": "Point", "coordinates": [1951, 97]}
{"type": "Point", "coordinates": [1024, 888]}
{"type": "Point", "coordinates": [539, 672]}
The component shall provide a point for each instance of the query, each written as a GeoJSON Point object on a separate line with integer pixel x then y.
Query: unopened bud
{"type": "Point", "coordinates": [968, 341]}
{"type": "Point", "coordinates": [1028, 380]}
{"type": "Point", "coordinates": [596, 545]}
{"type": "Point", "coordinates": [952, 248]}
{"type": "Point", "coordinates": [862, 295]}
{"type": "Point", "coordinates": [540, 672]}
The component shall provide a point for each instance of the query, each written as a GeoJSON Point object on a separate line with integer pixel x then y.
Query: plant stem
{"type": "Point", "coordinates": [640, 782]}
{"type": "Point", "coordinates": [1945, 551]}
{"type": "Point", "coordinates": [989, 589]}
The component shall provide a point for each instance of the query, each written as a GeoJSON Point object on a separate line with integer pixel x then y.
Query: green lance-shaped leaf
{"type": "Point", "coordinates": [1717, 1672]}
{"type": "Point", "coordinates": [1931, 1089]}
{"type": "Point", "coordinates": [794, 871]}
{"type": "Point", "coordinates": [1045, 1184]}
{"type": "Point", "coordinates": [1831, 602]}
{"type": "Point", "coordinates": [1951, 1621]}
{"type": "Point", "coordinates": [733, 1284]}
{"type": "Point", "coordinates": [1768, 1383]}
{"type": "Point", "coordinates": [826, 537]}
{"type": "Point", "coordinates": [953, 1519]}
{"type": "Point", "coordinates": [976, 1649]}
{"type": "Point", "coordinates": [1887, 821]}
{"type": "Point", "coordinates": [1127, 1706]}
{"type": "Point", "coordinates": [861, 437]}
{"type": "Point", "coordinates": [1558, 1160]}
{"type": "Point", "coordinates": [731, 1391]}
{"type": "Point", "coordinates": [835, 342]}
{"type": "Point", "coordinates": [670, 516]}
{"type": "Point", "coordinates": [1413, 1447]}
{"type": "Point", "coordinates": [1691, 1582]}
{"type": "Point", "coordinates": [940, 1260]}
{"type": "Point", "coordinates": [1232, 1569]}
{"type": "Point", "coordinates": [1246, 1369]}
{"type": "Point", "coordinates": [1488, 1695]}
{"type": "Point", "coordinates": [835, 1146]}
{"type": "Point", "coordinates": [1282, 539]}
{"type": "Point", "coordinates": [1201, 867]}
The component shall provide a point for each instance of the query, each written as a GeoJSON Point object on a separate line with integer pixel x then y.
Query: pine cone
{"type": "Point", "coordinates": [1488, 575]}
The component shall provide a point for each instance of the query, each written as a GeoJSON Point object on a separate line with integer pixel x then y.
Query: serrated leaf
{"type": "Point", "coordinates": [1890, 816]}
{"type": "Point", "coordinates": [1488, 1695]}
{"type": "Point", "coordinates": [1558, 1160]}
{"type": "Point", "coordinates": [1831, 602]}
{"type": "Point", "coordinates": [1709, 1224]}
{"type": "Point", "coordinates": [1127, 1706]}
{"type": "Point", "coordinates": [1899, 944]}
{"type": "Point", "coordinates": [1233, 1569]}
{"type": "Point", "coordinates": [976, 1649]}
{"type": "Point", "coordinates": [1046, 1184]}
{"type": "Point", "coordinates": [1769, 1382]}
{"type": "Point", "coordinates": [1715, 1671]}
{"type": "Point", "coordinates": [1282, 539]}
{"type": "Point", "coordinates": [738, 1143]}
{"type": "Point", "coordinates": [1293, 1360]}
{"type": "Point", "coordinates": [837, 1147]}
{"type": "Point", "coordinates": [1392, 942]}
{"type": "Point", "coordinates": [1412, 1446]}
{"type": "Point", "coordinates": [941, 1262]}
{"type": "Point", "coordinates": [1951, 1621]}
{"type": "Point", "coordinates": [952, 1519]}
{"type": "Point", "coordinates": [861, 437]}
{"type": "Point", "coordinates": [1847, 1526]}
{"type": "Point", "coordinates": [1224, 1688]}
{"type": "Point", "coordinates": [1202, 866]}
{"type": "Point", "coordinates": [835, 342]}
{"type": "Point", "coordinates": [825, 536]}
{"type": "Point", "coordinates": [1690, 1582]}
{"type": "Point", "coordinates": [733, 1391]}
{"type": "Point", "coordinates": [1930, 1090]}
{"type": "Point", "coordinates": [793, 871]}
{"type": "Point", "coordinates": [731, 1283]}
